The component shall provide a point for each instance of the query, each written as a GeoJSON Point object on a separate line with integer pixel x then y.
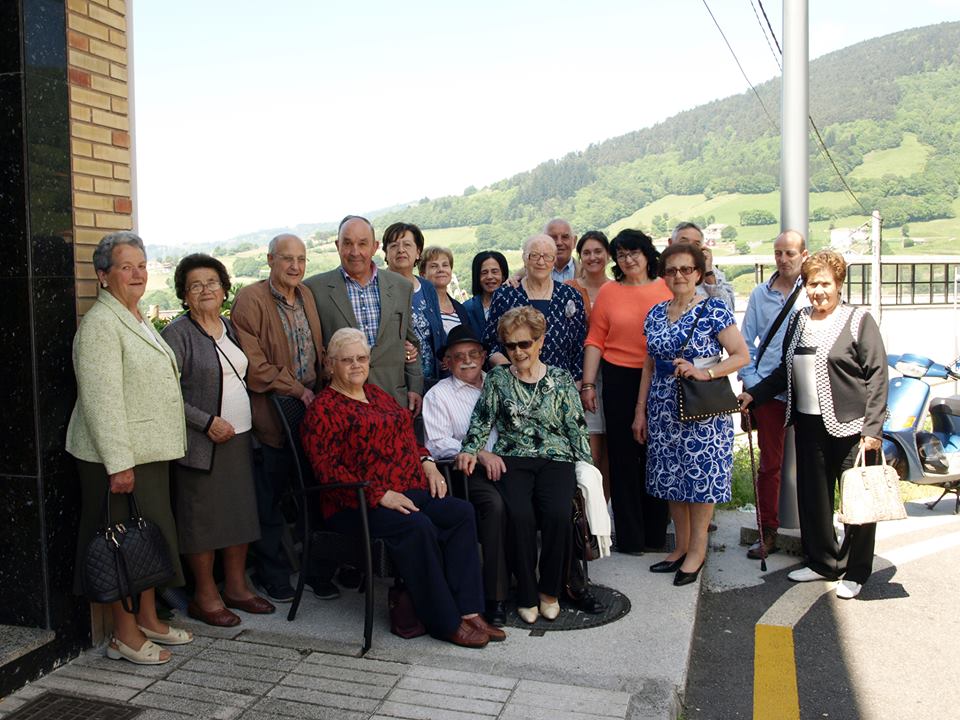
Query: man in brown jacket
{"type": "Point", "coordinates": [279, 328]}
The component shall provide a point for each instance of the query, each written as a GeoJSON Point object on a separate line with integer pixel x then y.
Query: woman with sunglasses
{"type": "Point", "coordinates": [617, 348]}
{"type": "Point", "coordinates": [688, 463]}
{"type": "Point", "coordinates": [560, 304]}
{"type": "Point", "coordinates": [542, 434]}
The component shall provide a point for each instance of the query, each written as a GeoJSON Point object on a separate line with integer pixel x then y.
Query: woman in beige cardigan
{"type": "Point", "coordinates": [127, 424]}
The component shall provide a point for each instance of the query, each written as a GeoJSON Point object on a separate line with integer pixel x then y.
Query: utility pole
{"type": "Point", "coordinates": [794, 188]}
{"type": "Point", "coordinates": [875, 267]}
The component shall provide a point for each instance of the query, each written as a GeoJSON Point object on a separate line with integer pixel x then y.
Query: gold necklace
{"type": "Point", "coordinates": [673, 306]}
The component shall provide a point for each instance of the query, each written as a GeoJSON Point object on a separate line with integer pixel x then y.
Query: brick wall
{"type": "Point", "coordinates": [99, 130]}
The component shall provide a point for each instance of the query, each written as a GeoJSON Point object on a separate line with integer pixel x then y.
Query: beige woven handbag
{"type": "Point", "coordinates": [870, 493]}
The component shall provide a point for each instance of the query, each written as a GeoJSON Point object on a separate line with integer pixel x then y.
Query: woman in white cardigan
{"type": "Point", "coordinates": [127, 424]}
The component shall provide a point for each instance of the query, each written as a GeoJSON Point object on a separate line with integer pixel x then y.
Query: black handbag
{"type": "Point", "coordinates": [702, 399]}
{"type": "Point", "coordinates": [584, 541]}
{"type": "Point", "coordinates": [125, 558]}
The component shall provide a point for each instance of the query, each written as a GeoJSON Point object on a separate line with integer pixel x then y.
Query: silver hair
{"type": "Point", "coordinates": [684, 226]}
{"type": "Point", "coordinates": [274, 241]}
{"type": "Point", "coordinates": [346, 336]}
{"type": "Point", "coordinates": [103, 255]}
{"type": "Point", "coordinates": [535, 238]}
{"type": "Point", "coordinates": [557, 220]}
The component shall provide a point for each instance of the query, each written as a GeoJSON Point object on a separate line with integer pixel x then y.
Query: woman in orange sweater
{"type": "Point", "coordinates": [617, 347]}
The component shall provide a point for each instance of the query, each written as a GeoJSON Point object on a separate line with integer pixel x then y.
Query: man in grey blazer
{"type": "Point", "coordinates": [378, 302]}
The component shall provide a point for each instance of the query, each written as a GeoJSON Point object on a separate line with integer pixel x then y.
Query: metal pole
{"type": "Point", "coordinates": [794, 188]}
{"type": "Point", "coordinates": [875, 268]}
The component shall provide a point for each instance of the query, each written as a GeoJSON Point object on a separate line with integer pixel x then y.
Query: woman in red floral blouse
{"type": "Point", "coordinates": [355, 432]}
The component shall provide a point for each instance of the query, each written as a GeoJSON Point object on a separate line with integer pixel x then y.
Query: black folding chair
{"type": "Point", "coordinates": [291, 411]}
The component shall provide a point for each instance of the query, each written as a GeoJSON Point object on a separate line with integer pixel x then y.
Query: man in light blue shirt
{"type": "Point", "coordinates": [764, 307]}
{"type": "Point", "coordinates": [714, 283]}
{"type": "Point", "coordinates": [564, 266]}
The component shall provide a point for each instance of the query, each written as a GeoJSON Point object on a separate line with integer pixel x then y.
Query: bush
{"type": "Point", "coordinates": [729, 233]}
{"type": "Point", "coordinates": [743, 248]}
{"type": "Point", "coordinates": [757, 217]}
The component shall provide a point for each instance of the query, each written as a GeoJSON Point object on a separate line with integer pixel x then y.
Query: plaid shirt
{"type": "Point", "coordinates": [297, 329]}
{"type": "Point", "coordinates": [365, 300]}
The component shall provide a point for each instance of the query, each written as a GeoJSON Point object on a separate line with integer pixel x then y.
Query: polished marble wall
{"type": "Point", "coordinates": [39, 498]}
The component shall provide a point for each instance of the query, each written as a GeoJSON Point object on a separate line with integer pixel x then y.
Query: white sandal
{"type": "Point", "coordinates": [173, 636]}
{"type": "Point", "coordinates": [148, 654]}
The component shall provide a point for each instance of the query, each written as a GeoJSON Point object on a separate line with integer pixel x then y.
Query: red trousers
{"type": "Point", "coordinates": [770, 431]}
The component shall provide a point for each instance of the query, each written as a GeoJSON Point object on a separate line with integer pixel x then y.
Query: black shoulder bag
{"type": "Point", "coordinates": [777, 322]}
{"type": "Point", "coordinates": [702, 399]}
{"type": "Point", "coordinates": [125, 558]}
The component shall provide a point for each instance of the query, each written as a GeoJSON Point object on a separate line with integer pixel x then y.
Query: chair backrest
{"type": "Point", "coordinates": [292, 411]}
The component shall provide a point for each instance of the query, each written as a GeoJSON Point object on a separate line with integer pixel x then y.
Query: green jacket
{"type": "Point", "coordinates": [129, 409]}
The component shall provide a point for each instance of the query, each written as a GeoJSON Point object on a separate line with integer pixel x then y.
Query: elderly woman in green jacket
{"type": "Point", "coordinates": [126, 426]}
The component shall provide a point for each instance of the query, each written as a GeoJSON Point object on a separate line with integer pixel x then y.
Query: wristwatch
{"type": "Point", "coordinates": [708, 272]}
{"type": "Point", "coordinates": [427, 458]}
{"type": "Point", "coordinates": [710, 373]}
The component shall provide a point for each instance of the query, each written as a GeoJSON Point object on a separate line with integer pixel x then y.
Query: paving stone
{"type": "Point", "coordinates": [317, 697]}
{"type": "Point", "coordinates": [339, 687]}
{"type": "Point", "coordinates": [55, 681]}
{"type": "Point", "coordinates": [154, 714]}
{"type": "Point", "coordinates": [277, 708]}
{"type": "Point", "coordinates": [122, 667]}
{"type": "Point", "coordinates": [205, 694]}
{"type": "Point", "coordinates": [221, 682]}
{"type": "Point", "coordinates": [459, 676]}
{"type": "Point", "coordinates": [252, 648]}
{"type": "Point", "coordinates": [517, 711]}
{"type": "Point", "coordinates": [244, 673]}
{"type": "Point", "coordinates": [445, 702]}
{"type": "Point", "coordinates": [106, 676]}
{"type": "Point", "coordinates": [606, 703]}
{"type": "Point", "coordinates": [456, 689]}
{"type": "Point", "coordinates": [368, 664]}
{"type": "Point", "coordinates": [249, 660]}
{"type": "Point", "coordinates": [416, 712]}
{"type": "Point", "coordinates": [186, 706]}
{"type": "Point", "coordinates": [335, 672]}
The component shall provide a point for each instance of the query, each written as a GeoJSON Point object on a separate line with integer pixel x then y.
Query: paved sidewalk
{"type": "Point", "coordinates": [271, 669]}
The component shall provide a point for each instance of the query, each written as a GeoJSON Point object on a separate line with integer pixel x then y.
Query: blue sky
{"type": "Point", "coordinates": [295, 111]}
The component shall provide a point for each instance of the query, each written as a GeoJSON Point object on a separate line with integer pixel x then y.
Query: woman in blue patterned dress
{"type": "Point", "coordinates": [688, 463]}
{"type": "Point", "coordinates": [560, 304]}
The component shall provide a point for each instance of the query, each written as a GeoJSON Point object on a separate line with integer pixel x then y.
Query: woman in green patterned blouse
{"type": "Point", "coordinates": [542, 433]}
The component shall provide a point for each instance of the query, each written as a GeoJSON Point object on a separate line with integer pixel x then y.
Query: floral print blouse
{"type": "Point", "coordinates": [534, 420]}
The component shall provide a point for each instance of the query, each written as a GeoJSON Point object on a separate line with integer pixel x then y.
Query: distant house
{"type": "Point", "coordinates": [842, 238]}
{"type": "Point", "coordinates": [712, 233]}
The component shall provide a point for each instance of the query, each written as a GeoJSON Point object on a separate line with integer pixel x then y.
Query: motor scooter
{"type": "Point", "coordinates": [921, 457]}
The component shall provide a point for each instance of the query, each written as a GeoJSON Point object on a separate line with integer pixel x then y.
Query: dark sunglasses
{"type": "Point", "coordinates": [522, 344]}
{"type": "Point", "coordinates": [684, 269]}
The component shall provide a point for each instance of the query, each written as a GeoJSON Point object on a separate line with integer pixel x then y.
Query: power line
{"type": "Point", "coordinates": [823, 146]}
{"type": "Point", "coordinates": [776, 58]}
{"type": "Point", "coordinates": [742, 72]}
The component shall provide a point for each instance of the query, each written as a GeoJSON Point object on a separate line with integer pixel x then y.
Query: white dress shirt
{"type": "Point", "coordinates": [447, 408]}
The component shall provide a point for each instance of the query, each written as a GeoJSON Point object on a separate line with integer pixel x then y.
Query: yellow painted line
{"type": "Point", "coordinates": [775, 695]}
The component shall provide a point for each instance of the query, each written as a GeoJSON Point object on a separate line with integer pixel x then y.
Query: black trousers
{"type": "Point", "coordinates": [640, 520]}
{"type": "Point", "coordinates": [435, 551]}
{"type": "Point", "coordinates": [821, 459]}
{"type": "Point", "coordinates": [271, 475]}
{"type": "Point", "coordinates": [538, 494]}
{"type": "Point", "coordinates": [492, 531]}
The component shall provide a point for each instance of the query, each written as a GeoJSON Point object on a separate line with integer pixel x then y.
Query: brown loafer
{"type": "Point", "coordinates": [221, 617]}
{"type": "Point", "coordinates": [468, 636]}
{"type": "Point", "coordinates": [255, 605]}
{"type": "Point", "coordinates": [769, 544]}
{"type": "Point", "coordinates": [494, 633]}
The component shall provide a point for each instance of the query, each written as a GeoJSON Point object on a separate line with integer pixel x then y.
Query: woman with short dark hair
{"type": "Point", "coordinates": [216, 506]}
{"type": "Point", "coordinates": [489, 271]}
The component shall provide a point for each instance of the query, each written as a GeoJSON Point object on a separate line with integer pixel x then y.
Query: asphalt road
{"type": "Point", "coordinates": [893, 652]}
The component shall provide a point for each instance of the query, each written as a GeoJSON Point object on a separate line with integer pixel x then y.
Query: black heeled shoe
{"type": "Point", "coordinates": [668, 566]}
{"type": "Point", "coordinates": [685, 578]}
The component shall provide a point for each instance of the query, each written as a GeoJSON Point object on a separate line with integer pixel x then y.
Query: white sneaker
{"type": "Point", "coordinates": [848, 589]}
{"type": "Point", "coordinates": [805, 574]}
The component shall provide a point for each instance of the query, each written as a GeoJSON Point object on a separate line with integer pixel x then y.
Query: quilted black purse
{"type": "Point", "coordinates": [125, 558]}
{"type": "Point", "coordinates": [702, 399]}
{"type": "Point", "coordinates": [584, 541]}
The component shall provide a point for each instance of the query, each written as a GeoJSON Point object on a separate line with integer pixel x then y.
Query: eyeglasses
{"type": "Point", "coordinates": [631, 255]}
{"type": "Point", "coordinates": [358, 359]}
{"type": "Point", "coordinates": [683, 270]}
{"type": "Point", "coordinates": [198, 287]}
{"type": "Point", "coordinates": [291, 259]}
{"type": "Point", "coordinates": [469, 355]}
{"type": "Point", "coordinates": [537, 257]}
{"type": "Point", "coordinates": [522, 344]}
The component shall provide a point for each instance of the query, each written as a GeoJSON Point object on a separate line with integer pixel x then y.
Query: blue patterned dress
{"type": "Point", "coordinates": [686, 461]}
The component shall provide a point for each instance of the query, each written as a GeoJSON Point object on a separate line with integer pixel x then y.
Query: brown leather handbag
{"type": "Point", "coordinates": [403, 618]}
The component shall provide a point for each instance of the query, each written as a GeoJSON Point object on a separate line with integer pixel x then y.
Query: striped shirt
{"type": "Point", "coordinates": [447, 409]}
{"type": "Point", "coordinates": [365, 300]}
